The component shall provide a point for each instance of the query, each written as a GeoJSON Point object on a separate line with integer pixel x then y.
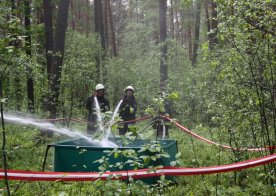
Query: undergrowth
{"type": "Point", "coordinates": [26, 148]}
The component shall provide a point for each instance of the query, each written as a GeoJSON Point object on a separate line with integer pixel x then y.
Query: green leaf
{"type": "Point", "coordinates": [178, 155]}
{"type": "Point", "coordinates": [173, 163]}
{"type": "Point", "coordinates": [116, 155]}
{"type": "Point", "coordinates": [174, 96]}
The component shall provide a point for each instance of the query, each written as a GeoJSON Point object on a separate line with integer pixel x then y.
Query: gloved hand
{"type": "Point", "coordinates": [131, 110]}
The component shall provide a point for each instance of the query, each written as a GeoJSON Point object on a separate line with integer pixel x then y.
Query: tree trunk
{"type": "Point", "coordinates": [17, 80]}
{"type": "Point", "coordinates": [208, 21]}
{"type": "Point", "coordinates": [163, 44]}
{"type": "Point", "coordinates": [99, 28]}
{"type": "Point", "coordinates": [177, 27]}
{"type": "Point", "coordinates": [48, 22]}
{"type": "Point", "coordinates": [187, 25]}
{"type": "Point", "coordinates": [190, 42]}
{"type": "Point", "coordinates": [106, 21]}
{"type": "Point", "coordinates": [72, 9]}
{"type": "Point", "coordinates": [30, 83]}
{"type": "Point", "coordinates": [87, 24]}
{"type": "Point", "coordinates": [197, 29]}
{"type": "Point", "coordinates": [3, 148]}
{"type": "Point", "coordinates": [214, 25]}
{"type": "Point", "coordinates": [114, 48]}
{"type": "Point", "coordinates": [172, 19]}
{"type": "Point", "coordinates": [57, 60]}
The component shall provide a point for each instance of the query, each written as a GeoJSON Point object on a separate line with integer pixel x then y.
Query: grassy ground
{"type": "Point", "coordinates": [26, 148]}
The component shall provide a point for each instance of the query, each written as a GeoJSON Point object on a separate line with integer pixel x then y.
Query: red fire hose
{"type": "Point", "coordinates": [211, 142]}
{"type": "Point", "coordinates": [179, 126]}
{"type": "Point", "coordinates": [142, 173]}
{"type": "Point", "coordinates": [136, 174]}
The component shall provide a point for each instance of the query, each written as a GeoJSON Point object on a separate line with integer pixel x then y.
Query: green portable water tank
{"type": "Point", "coordinates": [79, 155]}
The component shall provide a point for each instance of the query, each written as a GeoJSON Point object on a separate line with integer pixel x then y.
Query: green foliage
{"type": "Point", "coordinates": [159, 103]}
{"type": "Point", "coordinates": [79, 71]}
{"type": "Point", "coordinates": [229, 97]}
{"type": "Point", "coordinates": [148, 156]}
{"type": "Point", "coordinates": [26, 150]}
{"type": "Point", "coordinates": [130, 69]}
{"type": "Point", "coordinates": [243, 80]}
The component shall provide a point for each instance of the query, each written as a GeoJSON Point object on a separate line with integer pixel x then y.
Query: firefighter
{"type": "Point", "coordinates": [127, 111]}
{"type": "Point", "coordinates": [91, 107]}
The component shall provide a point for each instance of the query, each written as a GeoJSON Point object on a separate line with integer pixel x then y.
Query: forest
{"type": "Point", "coordinates": [212, 62]}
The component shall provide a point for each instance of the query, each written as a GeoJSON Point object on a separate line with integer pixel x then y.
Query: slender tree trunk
{"type": "Point", "coordinates": [208, 25]}
{"type": "Point", "coordinates": [78, 9]}
{"type": "Point", "coordinates": [137, 11]}
{"type": "Point", "coordinates": [3, 149]}
{"type": "Point", "coordinates": [112, 31]}
{"type": "Point", "coordinates": [193, 103]}
{"type": "Point", "coordinates": [57, 61]}
{"type": "Point", "coordinates": [72, 8]}
{"type": "Point", "coordinates": [131, 8]}
{"type": "Point", "coordinates": [197, 29]}
{"type": "Point", "coordinates": [177, 24]}
{"type": "Point", "coordinates": [17, 81]}
{"type": "Point", "coordinates": [214, 25]}
{"type": "Point", "coordinates": [106, 21]}
{"type": "Point", "coordinates": [163, 44]}
{"type": "Point", "coordinates": [190, 43]}
{"type": "Point", "coordinates": [188, 25]}
{"type": "Point", "coordinates": [87, 24]}
{"type": "Point", "coordinates": [30, 83]}
{"type": "Point", "coordinates": [99, 28]}
{"type": "Point", "coordinates": [48, 22]}
{"type": "Point", "coordinates": [172, 19]}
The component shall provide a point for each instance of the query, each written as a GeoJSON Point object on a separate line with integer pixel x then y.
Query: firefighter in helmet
{"type": "Point", "coordinates": [127, 111]}
{"type": "Point", "coordinates": [91, 107]}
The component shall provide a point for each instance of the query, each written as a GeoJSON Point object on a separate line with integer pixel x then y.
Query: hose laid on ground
{"type": "Point", "coordinates": [136, 174]}
{"type": "Point", "coordinates": [211, 142]}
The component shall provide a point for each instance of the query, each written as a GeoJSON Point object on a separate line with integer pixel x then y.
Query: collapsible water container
{"type": "Point", "coordinates": [79, 155]}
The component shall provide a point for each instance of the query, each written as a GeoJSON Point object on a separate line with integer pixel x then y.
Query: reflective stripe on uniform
{"type": "Point", "coordinates": [132, 127]}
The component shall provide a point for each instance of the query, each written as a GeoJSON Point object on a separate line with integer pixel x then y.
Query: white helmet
{"type": "Point", "coordinates": [99, 87]}
{"type": "Point", "coordinates": [129, 88]}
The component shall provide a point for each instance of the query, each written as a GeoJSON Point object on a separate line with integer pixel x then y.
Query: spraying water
{"type": "Point", "coordinates": [46, 126]}
{"type": "Point", "coordinates": [101, 128]}
{"type": "Point", "coordinates": [99, 115]}
{"type": "Point", "coordinates": [112, 121]}
{"type": "Point", "coordinates": [164, 129]}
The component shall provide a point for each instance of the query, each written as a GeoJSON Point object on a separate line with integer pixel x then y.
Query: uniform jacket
{"type": "Point", "coordinates": [90, 106]}
{"type": "Point", "coordinates": [125, 108]}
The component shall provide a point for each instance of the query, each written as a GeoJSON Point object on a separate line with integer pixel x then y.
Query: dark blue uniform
{"type": "Point", "coordinates": [127, 112]}
{"type": "Point", "coordinates": [92, 116]}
